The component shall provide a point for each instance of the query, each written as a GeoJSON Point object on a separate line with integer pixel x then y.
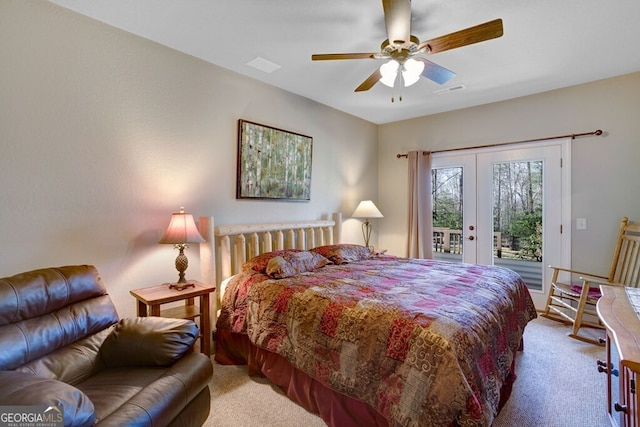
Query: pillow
{"type": "Point", "coordinates": [148, 341]}
{"type": "Point", "coordinates": [343, 253]}
{"type": "Point", "coordinates": [280, 267]}
{"type": "Point", "coordinates": [223, 285]}
{"type": "Point", "coordinates": [593, 292]}
{"type": "Point", "coordinates": [259, 263]}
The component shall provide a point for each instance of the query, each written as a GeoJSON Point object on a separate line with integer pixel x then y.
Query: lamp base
{"type": "Point", "coordinates": [181, 286]}
{"type": "Point", "coordinates": [181, 265]}
{"type": "Point", "coordinates": [366, 232]}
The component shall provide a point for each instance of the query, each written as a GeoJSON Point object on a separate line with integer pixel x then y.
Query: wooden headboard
{"type": "Point", "coordinates": [227, 247]}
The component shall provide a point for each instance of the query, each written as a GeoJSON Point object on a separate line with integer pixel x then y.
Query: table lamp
{"type": "Point", "coordinates": [366, 209]}
{"type": "Point", "coordinates": [182, 230]}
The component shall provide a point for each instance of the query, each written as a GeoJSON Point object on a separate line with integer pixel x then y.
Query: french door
{"type": "Point", "coordinates": [504, 206]}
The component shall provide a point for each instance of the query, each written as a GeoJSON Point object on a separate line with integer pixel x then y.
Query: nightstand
{"type": "Point", "coordinates": [150, 300]}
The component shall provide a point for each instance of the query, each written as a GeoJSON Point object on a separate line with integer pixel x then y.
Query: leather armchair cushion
{"type": "Point", "coordinates": [148, 396]}
{"type": "Point", "coordinates": [148, 341]}
{"type": "Point", "coordinates": [18, 388]}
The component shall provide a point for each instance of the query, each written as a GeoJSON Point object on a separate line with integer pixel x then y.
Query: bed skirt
{"type": "Point", "coordinates": [336, 409]}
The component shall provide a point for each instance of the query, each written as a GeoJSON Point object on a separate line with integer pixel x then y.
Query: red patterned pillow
{"type": "Point", "coordinates": [343, 253]}
{"type": "Point", "coordinates": [259, 263]}
{"type": "Point", "coordinates": [294, 263]}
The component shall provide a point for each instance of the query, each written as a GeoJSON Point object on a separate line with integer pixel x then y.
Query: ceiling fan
{"type": "Point", "coordinates": [405, 65]}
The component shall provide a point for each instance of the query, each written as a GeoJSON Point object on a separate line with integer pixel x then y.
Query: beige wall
{"type": "Point", "coordinates": [605, 172]}
{"type": "Point", "coordinates": [104, 134]}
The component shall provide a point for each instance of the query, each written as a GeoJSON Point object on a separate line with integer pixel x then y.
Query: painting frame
{"type": "Point", "coordinates": [272, 163]}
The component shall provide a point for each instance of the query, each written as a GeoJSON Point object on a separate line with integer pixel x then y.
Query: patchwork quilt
{"type": "Point", "coordinates": [424, 342]}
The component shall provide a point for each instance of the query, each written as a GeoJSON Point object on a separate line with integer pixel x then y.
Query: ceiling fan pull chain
{"type": "Point", "coordinates": [400, 94]}
{"type": "Point", "coordinates": [399, 82]}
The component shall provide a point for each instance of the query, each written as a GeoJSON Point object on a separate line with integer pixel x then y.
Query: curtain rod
{"type": "Point", "coordinates": [573, 136]}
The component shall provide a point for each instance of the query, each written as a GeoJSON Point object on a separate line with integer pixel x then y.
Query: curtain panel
{"type": "Point", "coordinates": [419, 218]}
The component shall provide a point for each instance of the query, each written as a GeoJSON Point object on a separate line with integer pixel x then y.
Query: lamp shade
{"type": "Point", "coordinates": [367, 209]}
{"type": "Point", "coordinates": [388, 71]}
{"type": "Point", "coordinates": [410, 70]}
{"type": "Point", "coordinates": [182, 229]}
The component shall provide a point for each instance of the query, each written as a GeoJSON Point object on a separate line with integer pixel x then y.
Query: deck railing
{"type": "Point", "coordinates": [447, 246]}
{"type": "Point", "coordinates": [450, 241]}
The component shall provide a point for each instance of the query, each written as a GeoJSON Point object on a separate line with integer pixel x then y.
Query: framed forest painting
{"type": "Point", "coordinates": [272, 163]}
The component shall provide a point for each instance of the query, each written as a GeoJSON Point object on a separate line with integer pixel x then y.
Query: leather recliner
{"type": "Point", "coordinates": [62, 345]}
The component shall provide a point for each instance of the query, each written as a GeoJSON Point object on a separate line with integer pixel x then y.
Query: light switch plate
{"type": "Point", "coordinates": [581, 223]}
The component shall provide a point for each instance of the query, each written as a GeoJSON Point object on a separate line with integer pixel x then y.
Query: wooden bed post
{"type": "Point", "coordinates": [337, 228]}
{"type": "Point", "coordinates": [208, 264]}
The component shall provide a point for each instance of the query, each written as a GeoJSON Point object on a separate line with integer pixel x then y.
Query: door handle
{"type": "Point", "coordinates": [471, 228]}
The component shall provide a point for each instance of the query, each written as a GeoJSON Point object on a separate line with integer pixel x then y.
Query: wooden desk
{"type": "Point", "coordinates": [623, 355]}
{"type": "Point", "coordinates": [150, 299]}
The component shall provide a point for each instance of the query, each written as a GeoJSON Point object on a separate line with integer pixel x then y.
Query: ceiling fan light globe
{"type": "Point", "coordinates": [412, 71]}
{"type": "Point", "coordinates": [388, 71]}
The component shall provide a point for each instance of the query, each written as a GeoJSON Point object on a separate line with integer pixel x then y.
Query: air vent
{"type": "Point", "coordinates": [450, 89]}
{"type": "Point", "coordinates": [262, 64]}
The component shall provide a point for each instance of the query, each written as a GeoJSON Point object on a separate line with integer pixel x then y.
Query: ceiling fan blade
{"type": "Point", "coordinates": [330, 56]}
{"type": "Point", "coordinates": [370, 81]}
{"type": "Point", "coordinates": [435, 72]}
{"type": "Point", "coordinates": [479, 33]}
{"type": "Point", "coordinates": [397, 18]}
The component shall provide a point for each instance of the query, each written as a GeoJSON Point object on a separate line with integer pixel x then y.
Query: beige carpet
{"type": "Point", "coordinates": [557, 385]}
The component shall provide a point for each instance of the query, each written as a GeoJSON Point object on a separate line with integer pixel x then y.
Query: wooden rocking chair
{"type": "Point", "coordinates": [569, 302]}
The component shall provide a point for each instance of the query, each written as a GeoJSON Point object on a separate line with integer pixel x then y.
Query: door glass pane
{"type": "Point", "coordinates": [447, 195]}
{"type": "Point", "coordinates": [517, 219]}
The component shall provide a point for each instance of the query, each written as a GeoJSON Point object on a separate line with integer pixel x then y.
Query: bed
{"type": "Point", "coordinates": [363, 338]}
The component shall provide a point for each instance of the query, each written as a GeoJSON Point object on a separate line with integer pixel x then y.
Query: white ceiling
{"type": "Point", "coordinates": [547, 44]}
